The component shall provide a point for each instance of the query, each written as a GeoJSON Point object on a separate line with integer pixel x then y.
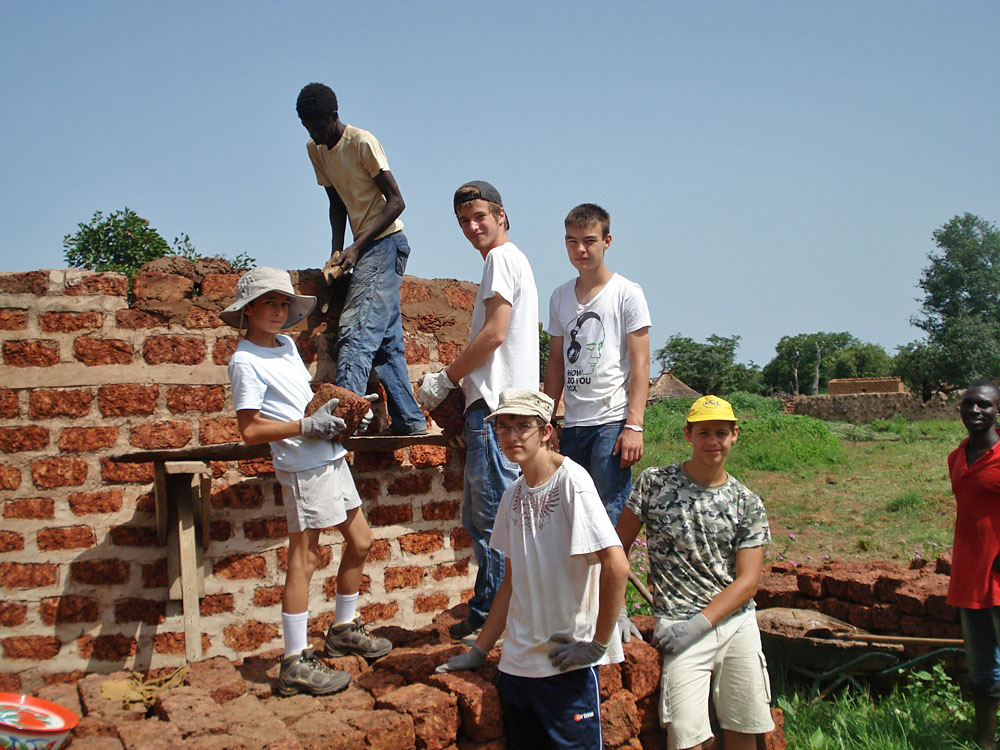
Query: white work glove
{"type": "Point", "coordinates": [323, 424]}
{"type": "Point", "coordinates": [672, 639]}
{"type": "Point", "coordinates": [474, 658]}
{"type": "Point", "coordinates": [626, 627]}
{"type": "Point", "coordinates": [566, 651]}
{"type": "Point", "coordinates": [366, 420]}
{"type": "Point", "coordinates": [433, 389]}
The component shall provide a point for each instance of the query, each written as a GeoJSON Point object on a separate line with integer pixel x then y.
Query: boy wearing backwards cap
{"type": "Point", "coordinates": [270, 393]}
{"type": "Point", "coordinates": [502, 353]}
{"type": "Point", "coordinates": [706, 534]}
{"type": "Point", "coordinates": [563, 584]}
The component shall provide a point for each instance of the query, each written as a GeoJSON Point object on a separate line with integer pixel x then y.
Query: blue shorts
{"type": "Point", "coordinates": [561, 711]}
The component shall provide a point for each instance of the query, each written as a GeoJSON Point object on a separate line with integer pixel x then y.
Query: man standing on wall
{"type": "Point", "coordinates": [502, 353]}
{"type": "Point", "coordinates": [351, 165]}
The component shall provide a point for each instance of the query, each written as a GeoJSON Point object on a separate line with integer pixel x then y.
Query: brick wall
{"type": "Point", "coordinates": [85, 375]}
{"type": "Point", "coordinates": [861, 408]}
{"type": "Point", "coordinates": [865, 385]}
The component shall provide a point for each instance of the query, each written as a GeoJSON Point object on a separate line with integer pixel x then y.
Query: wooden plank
{"type": "Point", "coordinates": [189, 570]}
{"type": "Point", "coordinates": [160, 502]}
{"type": "Point", "coordinates": [204, 504]}
{"type": "Point", "coordinates": [186, 467]}
{"type": "Point", "coordinates": [242, 452]}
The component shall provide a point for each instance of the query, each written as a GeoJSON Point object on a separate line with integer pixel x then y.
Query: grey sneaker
{"type": "Point", "coordinates": [463, 629]}
{"type": "Point", "coordinates": [351, 639]}
{"type": "Point", "coordinates": [304, 673]}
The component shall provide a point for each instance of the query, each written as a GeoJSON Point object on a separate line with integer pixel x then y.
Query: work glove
{"type": "Point", "coordinates": [567, 652]}
{"type": "Point", "coordinates": [626, 627]}
{"type": "Point", "coordinates": [433, 389]}
{"type": "Point", "coordinates": [672, 639]}
{"type": "Point", "coordinates": [474, 658]}
{"type": "Point", "coordinates": [323, 425]}
{"type": "Point", "coordinates": [366, 420]}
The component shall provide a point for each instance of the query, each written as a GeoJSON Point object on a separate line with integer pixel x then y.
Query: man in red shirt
{"type": "Point", "coordinates": [974, 589]}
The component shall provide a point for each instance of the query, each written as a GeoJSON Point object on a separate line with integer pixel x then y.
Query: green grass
{"type": "Point", "coordinates": [926, 712]}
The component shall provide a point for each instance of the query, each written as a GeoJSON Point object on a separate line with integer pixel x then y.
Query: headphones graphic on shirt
{"type": "Point", "coordinates": [574, 348]}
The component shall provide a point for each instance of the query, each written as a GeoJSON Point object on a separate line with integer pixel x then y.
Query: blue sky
{"type": "Point", "coordinates": [771, 168]}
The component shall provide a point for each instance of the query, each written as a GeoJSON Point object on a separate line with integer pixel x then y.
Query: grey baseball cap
{"type": "Point", "coordinates": [479, 190]}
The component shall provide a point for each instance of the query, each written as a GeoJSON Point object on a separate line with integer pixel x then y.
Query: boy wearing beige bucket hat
{"type": "Point", "coordinates": [270, 393]}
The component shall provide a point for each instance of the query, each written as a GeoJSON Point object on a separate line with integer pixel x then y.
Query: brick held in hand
{"type": "Point", "coordinates": [450, 414]}
{"type": "Point", "coordinates": [352, 408]}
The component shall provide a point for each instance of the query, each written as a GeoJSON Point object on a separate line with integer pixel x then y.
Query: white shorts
{"type": "Point", "coordinates": [729, 662]}
{"type": "Point", "coordinates": [318, 498]}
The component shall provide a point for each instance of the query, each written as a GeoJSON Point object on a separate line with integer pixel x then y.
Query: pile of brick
{"type": "Point", "coordinates": [396, 703]}
{"type": "Point", "coordinates": [877, 596]}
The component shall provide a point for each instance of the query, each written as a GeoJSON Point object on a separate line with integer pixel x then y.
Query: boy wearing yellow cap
{"type": "Point", "coordinates": [706, 534]}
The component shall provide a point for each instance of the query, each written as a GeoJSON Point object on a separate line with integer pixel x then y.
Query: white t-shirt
{"type": "Point", "coordinates": [550, 535]}
{"type": "Point", "coordinates": [514, 364]}
{"type": "Point", "coordinates": [276, 382]}
{"type": "Point", "coordinates": [595, 348]}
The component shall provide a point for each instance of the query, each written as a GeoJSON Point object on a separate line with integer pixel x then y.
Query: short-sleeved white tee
{"type": "Point", "coordinates": [514, 364]}
{"type": "Point", "coordinates": [595, 348]}
{"type": "Point", "coordinates": [350, 168]}
{"type": "Point", "coordinates": [550, 534]}
{"type": "Point", "coordinates": [276, 382]}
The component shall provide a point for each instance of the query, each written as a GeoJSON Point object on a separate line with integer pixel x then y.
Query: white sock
{"type": "Point", "coordinates": [296, 631]}
{"type": "Point", "coordinates": [345, 607]}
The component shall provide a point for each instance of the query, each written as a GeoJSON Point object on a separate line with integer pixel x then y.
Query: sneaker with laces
{"type": "Point", "coordinates": [463, 629]}
{"type": "Point", "coordinates": [352, 639]}
{"type": "Point", "coordinates": [305, 673]}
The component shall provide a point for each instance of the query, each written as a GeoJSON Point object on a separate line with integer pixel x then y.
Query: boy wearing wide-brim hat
{"type": "Point", "coordinates": [563, 585]}
{"type": "Point", "coordinates": [270, 393]}
{"type": "Point", "coordinates": [705, 533]}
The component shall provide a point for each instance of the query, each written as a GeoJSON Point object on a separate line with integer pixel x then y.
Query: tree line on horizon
{"type": "Point", "coordinates": [959, 315]}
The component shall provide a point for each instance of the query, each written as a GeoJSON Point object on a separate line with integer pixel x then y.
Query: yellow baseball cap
{"type": "Point", "coordinates": [711, 407]}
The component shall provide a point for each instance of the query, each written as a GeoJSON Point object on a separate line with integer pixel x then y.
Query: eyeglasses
{"type": "Point", "coordinates": [521, 429]}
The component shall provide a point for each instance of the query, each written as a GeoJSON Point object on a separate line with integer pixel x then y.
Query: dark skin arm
{"type": "Point", "coordinates": [393, 207]}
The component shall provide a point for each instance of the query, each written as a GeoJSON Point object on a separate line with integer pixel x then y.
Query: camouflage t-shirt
{"type": "Point", "coordinates": [693, 533]}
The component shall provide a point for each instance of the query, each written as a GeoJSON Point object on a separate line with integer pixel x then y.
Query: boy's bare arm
{"type": "Point", "coordinates": [555, 373]}
{"type": "Point", "coordinates": [614, 575]}
{"type": "Point", "coordinates": [487, 341]}
{"type": "Point", "coordinates": [749, 563]}
{"type": "Point", "coordinates": [496, 620]}
{"type": "Point", "coordinates": [630, 443]}
{"type": "Point", "coordinates": [257, 429]}
{"type": "Point", "coordinates": [628, 529]}
{"type": "Point", "coordinates": [393, 207]}
{"type": "Point", "coordinates": [338, 219]}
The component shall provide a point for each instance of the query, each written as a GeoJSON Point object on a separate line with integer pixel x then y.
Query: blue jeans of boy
{"type": "Point", "coordinates": [487, 474]}
{"type": "Point", "coordinates": [591, 447]}
{"type": "Point", "coordinates": [371, 333]}
{"type": "Point", "coordinates": [981, 632]}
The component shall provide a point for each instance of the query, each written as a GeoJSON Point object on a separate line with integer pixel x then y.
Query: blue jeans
{"type": "Point", "coordinates": [591, 448]}
{"type": "Point", "coordinates": [371, 333]}
{"type": "Point", "coordinates": [487, 474]}
{"type": "Point", "coordinates": [981, 631]}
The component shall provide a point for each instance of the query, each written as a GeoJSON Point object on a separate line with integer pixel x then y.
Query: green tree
{"type": "Point", "coordinates": [860, 360]}
{"type": "Point", "coordinates": [708, 367]}
{"type": "Point", "coordinates": [960, 312]}
{"type": "Point", "coordinates": [544, 341]}
{"type": "Point", "coordinates": [122, 242]}
{"type": "Point", "coordinates": [803, 355]}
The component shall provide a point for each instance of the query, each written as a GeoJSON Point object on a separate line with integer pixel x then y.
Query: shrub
{"type": "Point", "coordinates": [122, 242]}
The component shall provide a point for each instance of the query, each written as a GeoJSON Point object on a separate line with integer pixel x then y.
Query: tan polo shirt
{"type": "Point", "coordinates": [350, 168]}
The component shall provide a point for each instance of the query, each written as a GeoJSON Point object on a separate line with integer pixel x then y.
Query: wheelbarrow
{"type": "Point", "coordinates": [830, 652]}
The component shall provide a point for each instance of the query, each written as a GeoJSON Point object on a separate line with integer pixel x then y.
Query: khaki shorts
{"type": "Point", "coordinates": [728, 663]}
{"type": "Point", "coordinates": [318, 498]}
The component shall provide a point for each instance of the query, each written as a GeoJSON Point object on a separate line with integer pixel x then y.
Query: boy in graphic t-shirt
{"type": "Point", "coordinates": [565, 574]}
{"type": "Point", "coordinates": [599, 360]}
